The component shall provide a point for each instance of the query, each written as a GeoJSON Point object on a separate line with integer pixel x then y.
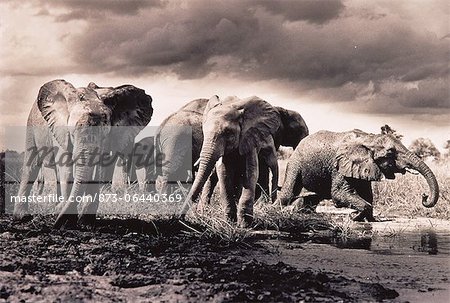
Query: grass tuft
{"type": "Point", "coordinates": [402, 197]}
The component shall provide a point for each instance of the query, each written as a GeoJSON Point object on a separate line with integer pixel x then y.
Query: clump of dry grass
{"type": "Point", "coordinates": [267, 216]}
{"type": "Point", "coordinates": [290, 218]}
{"type": "Point", "coordinates": [402, 196]}
{"type": "Point", "coordinates": [210, 224]}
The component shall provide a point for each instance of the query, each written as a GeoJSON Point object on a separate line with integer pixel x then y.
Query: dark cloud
{"type": "Point", "coordinates": [87, 9]}
{"type": "Point", "coordinates": [428, 94]}
{"type": "Point", "coordinates": [317, 46]}
{"type": "Point", "coordinates": [323, 49]}
{"type": "Point", "coordinates": [314, 11]}
{"type": "Point", "coordinates": [182, 40]}
{"type": "Point", "coordinates": [99, 9]}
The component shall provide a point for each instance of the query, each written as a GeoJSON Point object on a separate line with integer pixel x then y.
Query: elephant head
{"type": "Point", "coordinates": [292, 129]}
{"type": "Point", "coordinates": [232, 126]}
{"type": "Point", "coordinates": [82, 120]}
{"type": "Point", "coordinates": [369, 157]}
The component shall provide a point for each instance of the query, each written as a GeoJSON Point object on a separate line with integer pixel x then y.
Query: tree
{"type": "Point", "coordinates": [423, 147]}
{"type": "Point", "coordinates": [387, 130]}
{"type": "Point", "coordinates": [447, 148]}
{"type": "Point", "coordinates": [2, 182]}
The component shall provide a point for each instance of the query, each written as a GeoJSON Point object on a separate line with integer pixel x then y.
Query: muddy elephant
{"type": "Point", "coordinates": [234, 132]}
{"type": "Point", "coordinates": [143, 157]}
{"type": "Point", "coordinates": [118, 174]}
{"type": "Point", "coordinates": [341, 166]}
{"type": "Point", "coordinates": [179, 140]}
{"type": "Point", "coordinates": [170, 140]}
{"type": "Point", "coordinates": [292, 130]}
{"type": "Point", "coordinates": [84, 127]}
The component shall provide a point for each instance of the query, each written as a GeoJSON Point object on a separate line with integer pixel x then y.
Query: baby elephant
{"type": "Point", "coordinates": [341, 166]}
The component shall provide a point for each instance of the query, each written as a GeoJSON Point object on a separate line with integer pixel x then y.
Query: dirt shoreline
{"type": "Point", "coordinates": [416, 278]}
{"type": "Point", "coordinates": [121, 261]}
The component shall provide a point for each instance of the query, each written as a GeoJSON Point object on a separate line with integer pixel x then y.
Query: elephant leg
{"type": "Point", "coordinates": [344, 194]}
{"type": "Point", "coordinates": [225, 174]}
{"type": "Point", "coordinates": [209, 187]}
{"type": "Point", "coordinates": [149, 179]}
{"type": "Point", "coordinates": [292, 184]}
{"type": "Point", "coordinates": [40, 182]}
{"type": "Point", "coordinates": [57, 182]}
{"type": "Point", "coordinates": [108, 169]}
{"type": "Point", "coordinates": [263, 180]}
{"type": "Point", "coordinates": [120, 174]}
{"type": "Point", "coordinates": [65, 180]}
{"type": "Point", "coordinates": [364, 189]}
{"type": "Point", "coordinates": [132, 175]}
{"type": "Point", "coordinates": [89, 211]}
{"type": "Point", "coordinates": [272, 162]}
{"type": "Point", "coordinates": [161, 184]}
{"type": "Point", "coordinates": [68, 208]}
{"type": "Point", "coordinates": [29, 175]}
{"type": "Point", "coordinates": [247, 197]}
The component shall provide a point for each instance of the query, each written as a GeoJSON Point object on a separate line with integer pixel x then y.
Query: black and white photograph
{"type": "Point", "coordinates": [224, 151]}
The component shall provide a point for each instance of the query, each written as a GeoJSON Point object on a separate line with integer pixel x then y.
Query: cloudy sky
{"type": "Point", "coordinates": [341, 64]}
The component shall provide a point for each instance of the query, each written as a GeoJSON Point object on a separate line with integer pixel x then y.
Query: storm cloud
{"type": "Point", "coordinates": [375, 54]}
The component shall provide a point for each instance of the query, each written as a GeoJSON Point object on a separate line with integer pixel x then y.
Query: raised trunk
{"type": "Point", "coordinates": [208, 159]}
{"type": "Point", "coordinates": [82, 175]}
{"type": "Point", "coordinates": [417, 164]}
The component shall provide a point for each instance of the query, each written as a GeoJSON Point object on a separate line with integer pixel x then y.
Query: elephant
{"type": "Point", "coordinates": [123, 171]}
{"type": "Point", "coordinates": [234, 132]}
{"type": "Point", "coordinates": [85, 127]}
{"type": "Point", "coordinates": [170, 133]}
{"type": "Point", "coordinates": [144, 158]}
{"type": "Point", "coordinates": [179, 140]}
{"type": "Point", "coordinates": [342, 165]}
{"type": "Point", "coordinates": [292, 130]}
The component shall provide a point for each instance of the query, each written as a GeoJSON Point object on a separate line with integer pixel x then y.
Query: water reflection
{"type": "Point", "coordinates": [358, 243]}
{"type": "Point", "coordinates": [389, 243]}
{"type": "Point", "coordinates": [428, 243]}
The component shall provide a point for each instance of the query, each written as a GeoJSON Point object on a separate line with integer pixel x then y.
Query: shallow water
{"type": "Point", "coordinates": [408, 243]}
{"type": "Point", "coordinates": [400, 237]}
{"type": "Point", "coordinates": [411, 256]}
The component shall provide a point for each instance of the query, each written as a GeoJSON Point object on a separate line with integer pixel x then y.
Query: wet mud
{"type": "Point", "coordinates": [133, 260]}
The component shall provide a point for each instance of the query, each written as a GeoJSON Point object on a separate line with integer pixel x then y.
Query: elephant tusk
{"type": "Point", "coordinates": [412, 171]}
{"type": "Point", "coordinates": [197, 163]}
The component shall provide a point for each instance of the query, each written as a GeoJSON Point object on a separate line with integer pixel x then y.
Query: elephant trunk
{"type": "Point", "coordinates": [416, 163]}
{"type": "Point", "coordinates": [82, 175]}
{"type": "Point", "coordinates": [208, 158]}
{"type": "Point", "coordinates": [83, 172]}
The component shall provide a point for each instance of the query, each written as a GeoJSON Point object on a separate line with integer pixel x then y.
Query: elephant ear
{"type": "Point", "coordinates": [130, 106]}
{"type": "Point", "coordinates": [212, 102]}
{"type": "Point", "coordinates": [131, 111]}
{"type": "Point", "coordinates": [54, 100]}
{"type": "Point", "coordinates": [293, 128]}
{"type": "Point", "coordinates": [356, 161]}
{"type": "Point", "coordinates": [259, 122]}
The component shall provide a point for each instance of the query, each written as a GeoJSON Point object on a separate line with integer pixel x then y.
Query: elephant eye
{"type": "Point", "coordinates": [81, 97]}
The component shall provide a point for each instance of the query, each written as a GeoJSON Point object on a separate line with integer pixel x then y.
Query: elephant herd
{"type": "Point", "coordinates": [230, 143]}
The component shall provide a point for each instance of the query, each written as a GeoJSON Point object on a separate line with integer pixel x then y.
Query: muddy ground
{"type": "Point", "coordinates": [133, 260]}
